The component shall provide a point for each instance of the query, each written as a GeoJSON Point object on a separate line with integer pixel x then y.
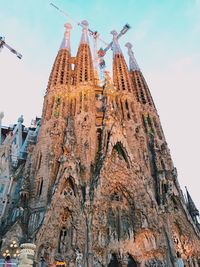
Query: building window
{"type": "Point", "coordinates": [39, 187]}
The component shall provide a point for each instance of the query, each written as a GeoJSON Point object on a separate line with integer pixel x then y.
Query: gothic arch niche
{"type": "Point", "coordinates": [65, 240]}
{"type": "Point", "coordinates": [119, 151]}
{"type": "Point", "coordinates": [39, 187]}
{"type": "Point", "coordinates": [131, 262]}
{"type": "Point", "coordinates": [120, 216]}
{"type": "Point", "coordinates": [66, 237]}
{"type": "Point", "coordinates": [114, 261]}
{"type": "Point", "coordinates": [69, 188]}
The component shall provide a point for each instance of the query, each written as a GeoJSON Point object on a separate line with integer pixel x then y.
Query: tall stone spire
{"type": "Point", "coordinates": [66, 39]}
{"type": "Point", "coordinates": [84, 37]}
{"type": "Point", "coordinates": [61, 71]}
{"type": "Point", "coordinates": [121, 75]}
{"type": "Point", "coordinates": [84, 71]}
{"type": "Point", "coordinates": [132, 61]}
{"type": "Point", "coordinates": [116, 48]}
{"type": "Point", "coordinates": [141, 89]}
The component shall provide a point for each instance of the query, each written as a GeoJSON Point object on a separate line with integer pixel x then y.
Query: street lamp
{"type": "Point", "coordinates": [12, 250]}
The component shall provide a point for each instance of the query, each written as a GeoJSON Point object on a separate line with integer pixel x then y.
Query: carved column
{"type": "Point", "coordinates": [124, 261]}
{"type": "Point", "coordinates": [27, 252]}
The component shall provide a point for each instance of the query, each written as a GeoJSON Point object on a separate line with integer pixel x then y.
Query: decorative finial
{"type": "Point", "coordinates": [84, 38]}
{"type": "Point", "coordinates": [114, 33]}
{"type": "Point", "coordinates": [66, 40]}
{"type": "Point", "coordinates": [132, 61]}
{"type": "Point", "coordinates": [116, 47]}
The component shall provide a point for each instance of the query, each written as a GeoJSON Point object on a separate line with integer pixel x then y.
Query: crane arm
{"type": "Point", "coordinates": [122, 32]}
{"type": "Point", "coordinates": [13, 50]}
{"type": "Point", "coordinates": [91, 32]}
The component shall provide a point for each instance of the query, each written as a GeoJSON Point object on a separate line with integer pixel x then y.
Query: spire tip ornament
{"type": "Point", "coordinates": [116, 47]}
{"type": "Point", "coordinates": [132, 61]}
{"type": "Point", "coordinates": [84, 38]}
{"type": "Point", "coordinates": [66, 39]}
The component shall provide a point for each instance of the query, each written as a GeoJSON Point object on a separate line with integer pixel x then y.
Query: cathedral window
{"type": "Point", "coordinates": [83, 189]}
{"type": "Point", "coordinates": [69, 188]}
{"type": "Point", "coordinates": [122, 108]}
{"type": "Point", "coordinates": [118, 147]}
{"type": "Point", "coordinates": [115, 197]}
{"type": "Point", "coordinates": [127, 108]}
{"type": "Point", "coordinates": [74, 108]}
{"type": "Point", "coordinates": [142, 97]}
{"type": "Point", "coordinates": [85, 103]}
{"type": "Point", "coordinates": [117, 102]}
{"type": "Point", "coordinates": [113, 262]}
{"type": "Point", "coordinates": [39, 160]}
{"type": "Point", "coordinates": [80, 101]}
{"type": "Point", "coordinates": [40, 187]}
{"type": "Point", "coordinates": [131, 262]}
{"type": "Point", "coordinates": [62, 240]}
{"type": "Point", "coordinates": [62, 77]}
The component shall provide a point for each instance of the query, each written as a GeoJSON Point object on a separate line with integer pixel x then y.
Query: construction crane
{"type": "Point", "coordinates": [3, 43]}
{"type": "Point", "coordinates": [102, 52]}
{"type": "Point", "coordinates": [98, 55]}
{"type": "Point", "coordinates": [92, 33]}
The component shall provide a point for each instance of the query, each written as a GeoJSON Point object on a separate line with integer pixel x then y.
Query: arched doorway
{"type": "Point", "coordinates": [131, 262]}
{"type": "Point", "coordinates": [113, 262]}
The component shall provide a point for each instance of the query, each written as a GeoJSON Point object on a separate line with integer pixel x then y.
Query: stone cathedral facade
{"type": "Point", "coordinates": [97, 185]}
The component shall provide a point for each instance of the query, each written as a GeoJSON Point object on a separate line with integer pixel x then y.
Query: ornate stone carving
{"type": "Point", "coordinates": [27, 251]}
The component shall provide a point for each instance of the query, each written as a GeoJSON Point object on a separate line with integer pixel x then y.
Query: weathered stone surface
{"type": "Point", "coordinates": [103, 190]}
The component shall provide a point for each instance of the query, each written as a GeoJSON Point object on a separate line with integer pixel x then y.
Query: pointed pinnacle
{"type": "Point", "coordinates": [84, 38]}
{"type": "Point", "coordinates": [116, 47]}
{"type": "Point", "coordinates": [66, 40]}
{"type": "Point", "coordinates": [132, 61]}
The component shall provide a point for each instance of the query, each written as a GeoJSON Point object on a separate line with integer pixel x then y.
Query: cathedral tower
{"type": "Point", "coordinates": [103, 188]}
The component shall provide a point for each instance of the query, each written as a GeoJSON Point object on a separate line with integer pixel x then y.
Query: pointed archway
{"type": "Point", "coordinates": [131, 262]}
{"type": "Point", "coordinates": [114, 262]}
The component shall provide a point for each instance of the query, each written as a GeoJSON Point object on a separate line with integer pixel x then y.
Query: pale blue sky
{"type": "Point", "coordinates": [166, 38]}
